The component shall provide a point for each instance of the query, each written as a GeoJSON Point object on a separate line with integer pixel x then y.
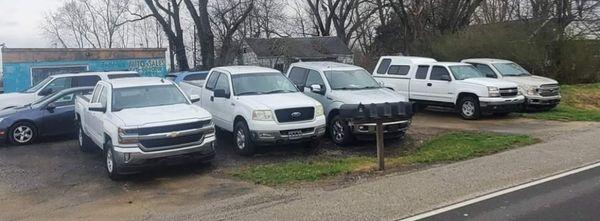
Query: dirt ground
{"type": "Point", "coordinates": [53, 180]}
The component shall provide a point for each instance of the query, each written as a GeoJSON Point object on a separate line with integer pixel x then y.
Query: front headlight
{"type": "Point", "coordinates": [128, 136]}
{"type": "Point", "coordinates": [532, 90]}
{"type": "Point", "coordinates": [319, 110]}
{"type": "Point", "coordinates": [262, 115]}
{"type": "Point", "coordinates": [494, 91]}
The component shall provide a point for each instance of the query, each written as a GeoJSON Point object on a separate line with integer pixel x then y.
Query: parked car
{"type": "Point", "coordinates": [51, 115]}
{"type": "Point", "coordinates": [57, 83]}
{"type": "Point", "coordinates": [261, 106]}
{"type": "Point", "coordinates": [540, 92]}
{"type": "Point", "coordinates": [139, 122]}
{"type": "Point", "coordinates": [190, 82]}
{"type": "Point", "coordinates": [334, 84]}
{"type": "Point", "coordinates": [451, 84]}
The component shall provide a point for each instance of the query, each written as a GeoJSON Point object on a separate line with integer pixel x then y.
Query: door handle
{"type": "Point", "coordinates": [212, 98]}
{"type": "Point", "coordinates": [429, 84]}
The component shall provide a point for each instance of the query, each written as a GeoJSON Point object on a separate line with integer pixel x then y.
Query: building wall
{"type": "Point", "coordinates": [24, 67]}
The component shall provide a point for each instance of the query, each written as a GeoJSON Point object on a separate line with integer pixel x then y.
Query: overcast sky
{"type": "Point", "coordinates": [20, 22]}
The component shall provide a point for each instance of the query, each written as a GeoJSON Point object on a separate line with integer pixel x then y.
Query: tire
{"type": "Point", "coordinates": [85, 144]}
{"type": "Point", "coordinates": [243, 142]}
{"type": "Point", "coordinates": [22, 133]}
{"type": "Point", "coordinates": [111, 166]}
{"type": "Point", "coordinates": [340, 132]}
{"type": "Point", "coordinates": [469, 108]}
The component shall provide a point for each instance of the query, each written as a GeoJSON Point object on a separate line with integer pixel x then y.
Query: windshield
{"type": "Point", "coordinates": [146, 96]}
{"type": "Point", "coordinates": [462, 72]}
{"type": "Point", "coordinates": [262, 83]}
{"type": "Point", "coordinates": [511, 69]}
{"type": "Point", "coordinates": [38, 86]}
{"type": "Point", "coordinates": [351, 80]}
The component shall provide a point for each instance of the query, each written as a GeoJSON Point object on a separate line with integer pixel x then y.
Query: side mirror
{"type": "Point", "coordinates": [220, 93]}
{"type": "Point", "coordinates": [194, 98]}
{"type": "Point", "coordinates": [445, 78]}
{"type": "Point", "coordinates": [46, 91]}
{"type": "Point", "coordinates": [50, 107]}
{"type": "Point", "coordinates": [315, 88]}
{"type": "Point", "coordinates": [97, 107]}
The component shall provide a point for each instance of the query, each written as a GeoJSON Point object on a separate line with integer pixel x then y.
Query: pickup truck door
{"type": "Point", "coordinates": [418, 89]}
{"type": "Point", "coordinates": [314, 77]}
{"type": "Point", "coordinates": [94, 119]}
{"type": "Point", "coordinates": [440, 85]}
{"type": "Point", "coordinates": [223, 107]}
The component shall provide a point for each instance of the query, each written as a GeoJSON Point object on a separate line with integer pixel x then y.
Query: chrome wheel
{"type": "Point", "coordinates": [109, 161]}
{"type": "Point", "coordinates": [22, 134]}
{"type": "Point", "coordinates": [338, 131]}
{"type": "Point", "coordinates": [240, 139]}
{"type": "Point", "coordinates": [468, 108]}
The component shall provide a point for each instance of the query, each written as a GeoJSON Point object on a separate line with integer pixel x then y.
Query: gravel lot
{"type": "Point", "coordinates": [53, 180]}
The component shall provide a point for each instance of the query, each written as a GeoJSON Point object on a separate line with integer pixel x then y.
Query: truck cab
{"type": "Point", "coordinates": [261, 107]}
{"type": "Point", "coordinates": [450, 84]}
{"type": "Point", "coordinates": [335, 84]}
{"type": "Point", "coordinates": [139, 122]}
{"type": "Point", "coordinates": [540, 92]}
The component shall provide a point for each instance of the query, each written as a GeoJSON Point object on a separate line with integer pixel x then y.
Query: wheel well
{"type": "Point", "coordinates": [332, 114]}
{"type": "Point", "coordinates": [27, 121]}
{"type": "Point", "coordinates": [464, 94]}
{"type": "Point", "coordinates": [106, 138]}
{"type": "Point", "coordinates": [237, 119]}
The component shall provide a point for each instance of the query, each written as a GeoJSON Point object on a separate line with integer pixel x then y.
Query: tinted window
{"type": "Point", "coordinates": [314, 78]}
{"type": "Point", "coordinates": [298, 75]}
{"type": "Point", "coordinates": [398, 70]}
{"type": "Point", "coordinates": [60, 84]}
{"type": "Point", "coordinates": [383, 66]}
{"type": "Point", "coordinates": [486, 70]}
{"type": "Point", "coordinates": [195, 77]}
{"type": "Point", "coordinates": [115, 76]}
{"type": "Point", "coordinates": [223, 83]}
{"type": "Point", "coordinates": [422, 72]}
{"type": "Point", "coordinates": [87, 81]}
{"type": "Point", "coordinates": [212, 80]}
{"type": "Point", "coordinates": [437, 72]}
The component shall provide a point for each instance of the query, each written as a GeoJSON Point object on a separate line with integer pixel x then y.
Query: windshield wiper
{"type": "Point", "coordinates": [249, 93]}
{"type": "Point", "coordinates": [278, 91]}
{"type": "Point", "coordinates": [369, 87]}
{"type": "Point", "coordinates": [346, 88]}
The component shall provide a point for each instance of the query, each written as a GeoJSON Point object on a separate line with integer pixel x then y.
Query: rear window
{"type": "Point", "coordinates": [383, 66]}
{"type": "Point", "coordinates": [116, 76]}
{"type": "Point", "coordinates": [399, 70]}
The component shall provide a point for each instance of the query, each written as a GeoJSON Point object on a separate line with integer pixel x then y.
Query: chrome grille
{"type": "Point", "coordinates": [509, 92]}
{"type": "Point", "coordinates": [548, 90]}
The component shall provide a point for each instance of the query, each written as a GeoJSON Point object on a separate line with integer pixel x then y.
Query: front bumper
{"type": "Point", "coordinates": [267, 137]}
{"type": "Point", "coordinates": [501, 104]}
{"type": "Point", "coordinates": [133, 157]}
{"type": "Point", "coordinates": [389, 127]}
{"type": "Point", "coordinates": [543, 101]}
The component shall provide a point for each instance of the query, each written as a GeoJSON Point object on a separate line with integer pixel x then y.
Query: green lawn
{"type": "Point", "coordinates": [449, 147]}
{"type": "Point", "coordinates": [579, 103]}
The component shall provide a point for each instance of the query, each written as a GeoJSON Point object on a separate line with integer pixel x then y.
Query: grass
{"type": "Point", "coordinates": [579, 103]}
{"type": "Point", "coordinates": [449, 147]}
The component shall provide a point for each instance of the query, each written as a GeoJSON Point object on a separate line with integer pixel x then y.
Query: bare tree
{"type": "Point", "coordinates": [170, 21]}
{"type": "Point", "coordinates": [228, 16]}
{"type": "Point", "coordinates": [204, 30]}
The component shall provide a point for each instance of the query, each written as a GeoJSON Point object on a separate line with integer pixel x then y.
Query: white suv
{"type": "Point", "coordinates": [261, 106]}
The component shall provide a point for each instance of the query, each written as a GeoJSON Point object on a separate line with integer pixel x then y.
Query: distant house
{"type": "Point", "coordinates": [279, 53]}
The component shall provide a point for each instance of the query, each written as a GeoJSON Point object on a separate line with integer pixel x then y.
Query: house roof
{"type": "Point", "coordinates": [308, 47]}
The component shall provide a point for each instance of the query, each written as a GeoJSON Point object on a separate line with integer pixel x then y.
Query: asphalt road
{"type": "Point", "coordinates": [573, 197]}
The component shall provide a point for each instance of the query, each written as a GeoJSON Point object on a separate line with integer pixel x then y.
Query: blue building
{"type": "Point", "coordinates": [25, 67]}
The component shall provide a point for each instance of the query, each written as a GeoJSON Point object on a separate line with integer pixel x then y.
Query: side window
{"type": "Point", "coordinates": [103, 97]}
{"type": "Point", "coordinates": [398, 70]}
{"type": "Point", "coordinates": [298, 75]}
{"type": "Point", "coordinates": [65, 100]}
{"type": "Point", "coordinates": [86, 81]}
{"type": "Point", "coordinates": [422, 72]}
{"type": "Point", "coordinates": [223, 83]}
{"type": "Point", "coordinates": [60, 84]}
{"type": "Point", "coordinates": [485, 69]}
{"type": "Point", "coordinates": [212, 79]}
{"type": "Point", "coordinates": [96, 94]}
{"type": "Point", "coordinates": [314, 78]}
{"type": "Point", "coordinates": [383, 66]}
{"type": "Point", "coordinates": [437, 72]}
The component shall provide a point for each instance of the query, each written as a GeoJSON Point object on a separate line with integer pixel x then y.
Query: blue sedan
{"type": "Point", "coordinates": [48, 116]}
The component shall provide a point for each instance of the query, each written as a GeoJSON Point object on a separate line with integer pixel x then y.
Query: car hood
{"type": "Point", "coordinates": [532, 80]}
{"type": "Point", "coordinates": [148, 116]}
{"type": "Point", "coordinates": [490, 82]}
{"type": "Point", "coordinates": [277, 101]}
{"type": "Point", "coordinates": [15, 99]}
{"type": "Point", "coordinates": [367, 96]}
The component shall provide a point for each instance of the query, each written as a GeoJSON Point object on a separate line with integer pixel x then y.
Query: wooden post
{"type": "Point", "coordinates": [380, 154]}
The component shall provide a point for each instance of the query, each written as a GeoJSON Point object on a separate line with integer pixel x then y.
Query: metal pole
{"type": "Point", "coordinates": [380, 154]}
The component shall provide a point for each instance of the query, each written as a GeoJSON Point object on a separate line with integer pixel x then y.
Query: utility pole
{"type": "Point", "coordinates": [171, 54]}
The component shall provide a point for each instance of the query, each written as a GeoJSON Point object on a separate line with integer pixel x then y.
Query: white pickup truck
{"type": "Point", "coordinates": [261, 106]}
{"type": "Point", "coordinates": [540, 92]}
{"type": "Point", "coordinates": [451, 84]}
{"type": "Point", "coordinates": [140, 122]}
{"type": "Point", "coordinates": [57, 83]}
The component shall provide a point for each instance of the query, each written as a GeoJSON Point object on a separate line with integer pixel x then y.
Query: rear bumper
{"type": "Point", "coordinates": [269, 137]}
{"type": "Point", "coordinates": [500, 104]}
{"type": "Point", "coordinates": [133, 158]}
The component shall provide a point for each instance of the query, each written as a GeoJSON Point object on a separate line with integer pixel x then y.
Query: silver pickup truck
{"type": "Point", "coordinates": [334, 84]}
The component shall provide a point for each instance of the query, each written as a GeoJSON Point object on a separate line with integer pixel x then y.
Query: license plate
{"type": "Point", "coordinates": [295, 134]}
